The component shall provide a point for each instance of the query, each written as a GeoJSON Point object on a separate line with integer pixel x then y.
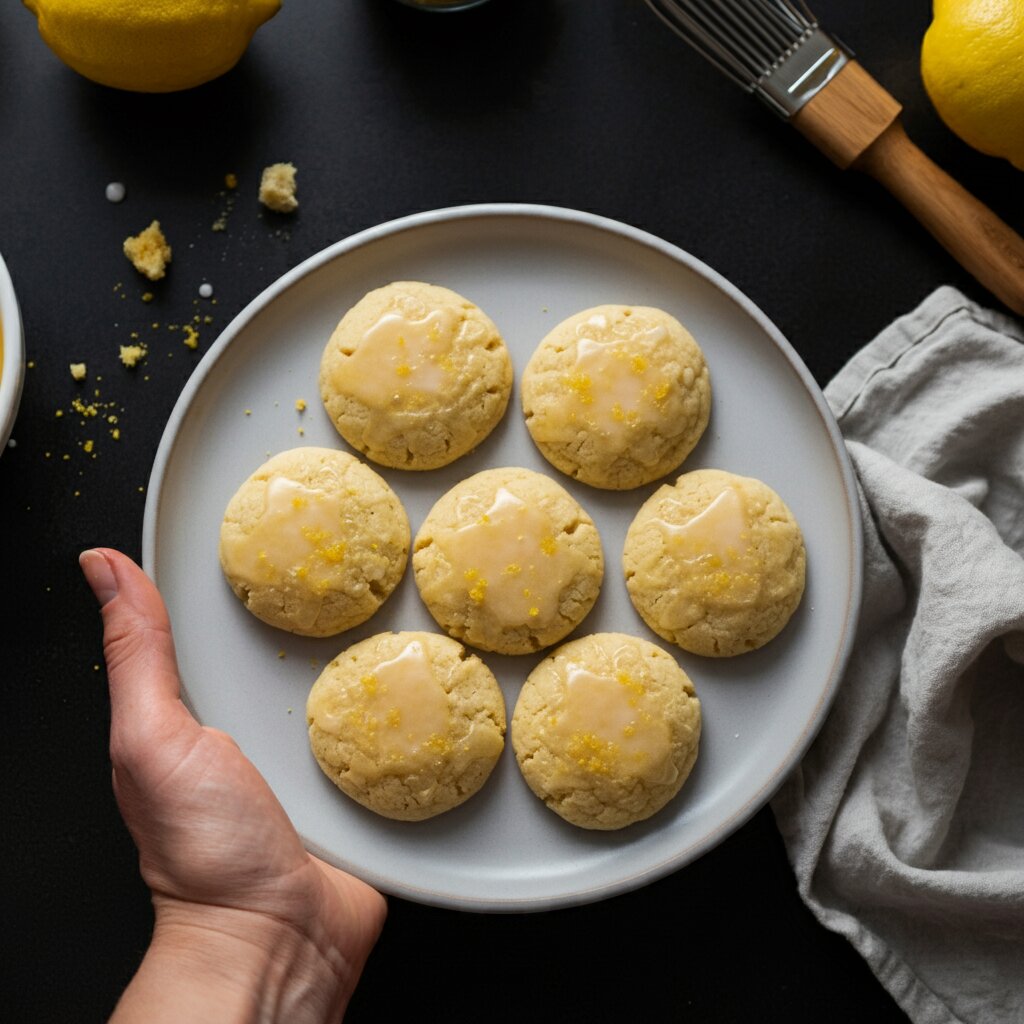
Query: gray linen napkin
{"type": "Point", "coordinates": [905, 821]}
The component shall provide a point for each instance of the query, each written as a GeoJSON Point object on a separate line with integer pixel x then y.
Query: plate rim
{"type": "Point", "coordinates": [682, 857]}
{"type": "Point", "coordinates": [12, 372]}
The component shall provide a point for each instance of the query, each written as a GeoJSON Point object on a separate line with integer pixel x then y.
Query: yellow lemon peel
{"type": "Point", "coordinates": [972, 64]}
{"type": "Point", "coordinates": [150, 47]}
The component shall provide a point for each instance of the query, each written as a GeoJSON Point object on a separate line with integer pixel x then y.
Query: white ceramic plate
{"type": "Point", "coordinates": [12, 363]}
{"type": "Point", "coordinates": [528, 267]}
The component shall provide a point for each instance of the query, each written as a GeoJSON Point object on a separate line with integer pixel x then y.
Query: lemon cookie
{"type": "Point", "coordinates": [715, 563]}
{"type": "Point", "coordinates": [407, 724]}
{"type": "Point", "coordinates": [508, 561]}
{"type": "Point", "coordinates": [617, 396]}
{"type": "Point", "coordinates": [415, 376]}
{"type": "Point", "coordinates": [314, 541]}
{"type": "Point", "coordinates": [606, 730]}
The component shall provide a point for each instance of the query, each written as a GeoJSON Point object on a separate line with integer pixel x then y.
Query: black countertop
{"type": "Point", "coordinates": [589, 104]}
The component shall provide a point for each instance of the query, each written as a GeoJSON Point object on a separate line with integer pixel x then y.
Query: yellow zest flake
{"type": "Point", "coordinates": [191, 339]}
{"type": "Point", "coordinates": [548, 545]}
{"type": "Point", "coordinates": [281, 654]}
{"type": "Point", "coordinates": [403, 370]}
{"type": "Point", "coordinates": [299, 502]}
{"type": "Point", "coordinates": [393, 718]}
{"type": "Point", "coordinates": [638, 364]}
{"type": "Point", "coordinates": [59, 413]}
{"type": "Point", "coordinates": [302, 571]}
{"type": "Point", "coordinates": [434, 332]}
{"type": "Point", "coordinates": [369, 684]}
{"type": "Point", "coordinates": [591, 753]}
{"type": "Point", "coordinates": [512, 570]}
{"type": "Point", "coordinates": [479, 590]}
{"type": "Point", "coordinates": [582, 385]}
{"type": "Point", "coordinates": [116, 433]}
{"type": "Point", "coordinates": [300, 405]}
{"type": "Point", "coordinates": [534, 612]}
{"type": "Point", "coordinates": [88, 446]}
{"type": "Point", "coordinates": [661, 392]}
{"type": "Point", "coordinates": [334, 553]}
{"type": "Point", "coordinates": [147, 296]}
{"type": "Point", "coordinates": [231, 181]}
{"type": "Point", "coordinates": [248, 412]}
{"type": "Point", "coordinates": [438, 744]}
{"type": "Point", "coordinates": [470, 575]}
{"type": "Point", "coordinates": [313, 535]}
{"type": "Point", "coordinates": [626, 680]}
{"type": "Point", "coordinates": [617, 414]}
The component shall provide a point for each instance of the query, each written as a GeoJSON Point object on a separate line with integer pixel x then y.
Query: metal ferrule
{"type": "Point", "coordinates": [803, 70]}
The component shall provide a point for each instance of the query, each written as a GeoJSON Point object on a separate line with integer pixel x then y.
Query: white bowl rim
{"type": "Point", "coordinates": [13, 370]}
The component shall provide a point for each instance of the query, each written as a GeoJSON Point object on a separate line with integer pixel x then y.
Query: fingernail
{"type": "Point", "coordinates": [98, 575]}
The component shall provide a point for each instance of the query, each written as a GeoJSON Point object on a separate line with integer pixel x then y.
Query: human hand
{"type": "Point", "coordinates": [247, 921]}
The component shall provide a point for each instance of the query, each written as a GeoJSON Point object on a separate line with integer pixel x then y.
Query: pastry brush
{"type": "Point", "coordinates": [776, 49]}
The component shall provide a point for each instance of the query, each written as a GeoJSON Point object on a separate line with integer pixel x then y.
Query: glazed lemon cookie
{"type": "Point", "coordinates": [314, 541]}
{"type": "Point", "coordinates": [606, 730]}
{"type": "Point", "coordinates": [508, 561]}
{"type": "Point", "coordinates": [715, 563]}
{"type": "Point", "coordinates": [415, 375]}
{"type": "Point", "coordinates": [407, 724]}
{"type": "Point", "coordinates": [617, 396]}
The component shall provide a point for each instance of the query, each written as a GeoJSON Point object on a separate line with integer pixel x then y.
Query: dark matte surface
{"type": "Point", "coordinates": [386, 111]}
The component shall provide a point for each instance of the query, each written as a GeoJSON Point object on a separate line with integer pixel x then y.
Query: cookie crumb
{"type": "Point", "coordinates": [230, 180]}
{"type": "Point", "coordinates": [191, 339]}
{"type": "Point", "coordinates": [277, 188]}
{"type": "Point", "coordinates": [300, 405]}
{"type": "Point", "coordinates": [77, 370]}
{"type": "Point", "coordinates": [149, 251]}
{"type": "Point", "coordinates": [131, 354]}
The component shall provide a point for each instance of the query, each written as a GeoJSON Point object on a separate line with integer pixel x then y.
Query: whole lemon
{"type": "Point", "coordinates": [150, 45]}
{"type": "Point", "coordinates": [972, 63]}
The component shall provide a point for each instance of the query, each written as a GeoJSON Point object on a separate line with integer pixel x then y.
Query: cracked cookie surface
{"type": "Point", "coordinates": [314, 541]}
{"type": "Point", "coordinates": [606, 730]}
{"type": "Point", "coordinates": [617, 396]}
{"type": "Point", "coordinates": [415, 376]}
{"type": "Point", "coordinates": [508, 561]}
{"type": "Point", "coordinates": [715, 563]}
{"type": "Point", "coordinates": [407, 724]}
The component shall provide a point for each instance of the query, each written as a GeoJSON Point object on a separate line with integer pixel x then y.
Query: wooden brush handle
{"type": "Point", "coordinates": [855, 122]}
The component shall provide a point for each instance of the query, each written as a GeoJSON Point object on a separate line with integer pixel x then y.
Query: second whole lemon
{"type": "Point", "coordinates": [150, 45]}
{"type": "Point", "coordinates": [972, 63]}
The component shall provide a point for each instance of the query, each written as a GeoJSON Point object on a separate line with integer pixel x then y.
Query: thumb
{"type": "Point", "coordinates": [141, 668]}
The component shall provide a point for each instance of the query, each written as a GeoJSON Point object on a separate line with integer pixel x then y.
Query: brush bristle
{"type": "Point", "coordinates": [746, 39]}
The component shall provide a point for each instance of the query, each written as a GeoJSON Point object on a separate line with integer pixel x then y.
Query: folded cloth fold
{"type": "Point", "coordinates": [904, 822]}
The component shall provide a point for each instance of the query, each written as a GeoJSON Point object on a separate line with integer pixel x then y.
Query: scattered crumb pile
{"type": "Point", "coordinates": [149, 252]}
{"type": "Point", "coordinates": [277, 188]}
